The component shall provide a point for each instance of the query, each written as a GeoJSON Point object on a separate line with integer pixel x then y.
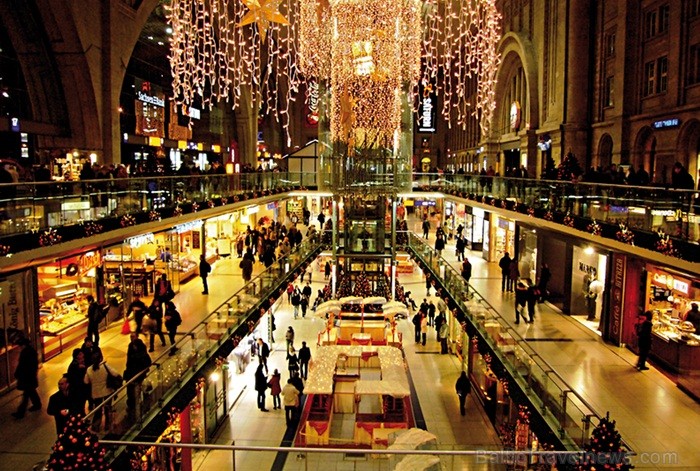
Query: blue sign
{"type": "Point", "coordinates": [425, 203]}
{"type": "Point", "coordinates": [666, 123]}
{"type": "Point", "coordinates": [14, 124]}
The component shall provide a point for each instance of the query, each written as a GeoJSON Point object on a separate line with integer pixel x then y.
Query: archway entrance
{"type": "Point", "coordinates": [605, 151]}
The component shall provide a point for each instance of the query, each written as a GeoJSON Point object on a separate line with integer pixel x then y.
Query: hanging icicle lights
{"type": "Point", "coordinates": [220, 47]}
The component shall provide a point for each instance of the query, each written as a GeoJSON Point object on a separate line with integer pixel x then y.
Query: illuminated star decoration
{"type": "Point", "coordinates": [262, 13]}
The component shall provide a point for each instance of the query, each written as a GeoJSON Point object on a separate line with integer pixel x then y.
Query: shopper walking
{"type": "Point", "coordinates": [644, 339]}
{"type": "Point", "coordinates": [466, 271]}
{"type": "Point", "coordinates": [138, 309]}
{"type": "Point", "coordinates": [504, 265]}
{"type": "Point", "coordinates": [327, 271]}
{"type": "Point", "coordinates": [263, 353]}
{"type": "Point", "coordinates": [424, 329]}
{"type": "Point", "coordinates": [246, 266]}
{"type": "Point", "coordinates": [296, 301]}
{"type": "Point", "coordinates": [290, 395]}
{"type": "Point", "coordinates": [304, 359]}
{"type": "Point", "coordinates": [292, 362]}
{"type": "Point", "coordinates": [26, 376]}
{"type": "Point", "coordinates": [173, 319]}
{"type": "Point", "coordinates": [76, 379]}
{"type": "Point", "coordinates": [155, 313]}
{"type": "Point", "coordinates": [204, 270]}
{"type": "Point", "coordinates": [532, 295]}
{"type": "Point", "coordinates": [164, 290]}
{"type": "Point", "coordinates": [439, 245]}
{"type": "Point", "coordinates": [463, 388]}
{"type": "Point", "coordinates": [289, 337]}
{"type": "Point", "coordinates": [426, 227]}
{"type": "Point", "coordinates": [442, 335]}
{"type": "Point", "coordinates": [275, 389]}
{"type": "Point", "coordinates": [513, 274]}
{"type": "Point", "coordinates": [96, 378]}
{"type": "Point", "coordinates": [416, 325]}
{"type": "Point", "coordinates": [459, 247]}
{"type": "Point", "coordinates": [520, 300]}
{"type": "Point", "coordinates": [62, 405]}
{"type": "Point", "coordinates": [137, 363]}
{"type": "Point", "coordinates": [94, 317]}
{"type": "Point", "coordinates": [261, 387]}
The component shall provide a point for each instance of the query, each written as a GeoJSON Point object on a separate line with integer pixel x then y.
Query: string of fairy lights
{"type": "Point", "coordinates": [374, 56]}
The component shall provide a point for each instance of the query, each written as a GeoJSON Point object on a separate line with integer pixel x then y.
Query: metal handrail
{"type": "Point", "coordinates": [192, 332]}
{"type": "Point", "coordinates": [540, 361]}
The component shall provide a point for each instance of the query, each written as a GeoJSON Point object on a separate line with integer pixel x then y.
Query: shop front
{"type": "Point", "coordinates": [63, 286]}
{"type": "Point", "coordinates": [500, 239]}
{"type": "Point", "coordinates": [675, 343]}
{"type": "Point", "coordinates": [527, 252]}
{"type": "Point", "coordinates": [474, 227]}
{"type": "Point", "coordinates": [17, 308]}
{"type": "Point", "coordinates": [588, 285]}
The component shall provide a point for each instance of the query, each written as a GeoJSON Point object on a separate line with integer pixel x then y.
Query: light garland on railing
{"type": "Point", "coordinates": [372, 53]}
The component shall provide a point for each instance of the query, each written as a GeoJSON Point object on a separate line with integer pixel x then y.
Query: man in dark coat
{"type": "Point", "coordinates": [466, 270]}
{"type": "Point", "coordinates": [304, 359]}
{"type": "Point", "coordinates": [463, 388]}
{"type": "Point", "coordinates": [504, 265]}
{"type": "Point", "coordinates": [644, 340]}
{"type": "Point", "coordinates": [204, 270]}
{"type": "Point", "coordinates": [139, 309]}
{"type": "Point", "coordinates": [261, 387]}
{"type": "Point", "coordinates": [137, 363]}
{"type": "Point", "coordinates": [94, 316]}
{"type": "Point", "coordinates": [26, 376]}
{"type": "Point", "coordinates": [62, 405]}
{"type": "Point", "coordinates": [246, 266]}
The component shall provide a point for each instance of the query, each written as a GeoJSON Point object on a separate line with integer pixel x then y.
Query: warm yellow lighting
{"type": "Point", "coordinates": [154, 141]}
{"type": "Point", "coordinates": [376, 52]}
{"type": "Point", "coordinates": [229, 169]}
{"type": "Point", "coordinates": [182, 144]}
{"type": "Point", "coordinates": [215, 148]}
{"type": "Point", "coordinates": [214, 377]}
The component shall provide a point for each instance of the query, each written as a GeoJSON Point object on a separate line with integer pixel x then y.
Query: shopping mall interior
{"type": "Point", "coordinates": [360, 152]}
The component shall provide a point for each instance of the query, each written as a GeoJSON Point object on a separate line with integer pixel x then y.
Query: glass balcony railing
{"type": "Point", "coordinates": [30, 207]}
{"type": "Point", "coordinates": [646, 208]}
{"type": "Point", "coordinates": [567, 413]}
{"type": "Point", "coordinates": [253, 454]}
{"type": "Point", "coordinates": [34, 208]}
{"type": "Point", "coordinates": [132, 406]}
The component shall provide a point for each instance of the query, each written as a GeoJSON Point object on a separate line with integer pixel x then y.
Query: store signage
{"type": "Point", "coordinates": [14, 124]}
{"type": "Point", "coordinates": [11, 303]}
{"type": "Point", "coordinates": [666, 123]}
{"type": "Point", "coordinates": [271, 205]}
{"type": "Point", "coordinates": [589, 269]}
{"type": "Point", "coordinates": [425, 203]}
{"type": "Point", "coordinates": [138, 241]}
{"type": "Point", "coordinates": [312, 103]}
{"type": "Point", "coordinates": [188, 226]}
{"type": "Point", "coordinates": [75, 206]}
{"type": "Point", "coordinates": [616, 298]}
{"type": "Point", "coordinates": [88, 261]}
{"type": "Point", "coordinates": [668, 282]}
{"type": "Point", "coordinates": [144, 94]}
{"type": "Point", "coordinates": [251, 210]}
{"type": "Point", "coordinates": [680, 286]}
{"type": "Point", "coordinates": [672, 213]}
{"type": "Point", "coordinates": [427, 108]}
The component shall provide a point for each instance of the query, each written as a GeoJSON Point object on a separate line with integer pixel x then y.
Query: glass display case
{"type": "Point", "coordinates": [673, 328]}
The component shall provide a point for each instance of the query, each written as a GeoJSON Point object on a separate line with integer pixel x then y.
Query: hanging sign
{"type": "Point", "coordinates": [427, 108]}
{"type": "Point", "coordinates": [138, 241]}
{"type": "Point", "coordinates": [616, 297]}
{"type": "Point", "coordinates": [188, 226]}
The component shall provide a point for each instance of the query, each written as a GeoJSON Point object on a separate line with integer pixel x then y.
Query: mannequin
{"type": "Point", "coordinates": [595, 289]}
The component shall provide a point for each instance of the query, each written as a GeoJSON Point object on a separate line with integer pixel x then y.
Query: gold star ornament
{"type": "Point", "coordinates": [262, 13]}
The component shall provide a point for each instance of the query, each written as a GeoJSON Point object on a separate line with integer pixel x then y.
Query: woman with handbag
{"type": "Point", "coordinates": [97, 377]}
{"type": "Point", "coordinates": [172, 322]}
{"type": "Point", "coordinates": [155, 313]}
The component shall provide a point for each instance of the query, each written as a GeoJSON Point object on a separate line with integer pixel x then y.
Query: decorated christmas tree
{"type": "Point", "coordinates": [569, 168]}
{"type": "Point", "coordinates": [605, 450]}
{"type": "Point", "coordinates": [362, 287]}
{"type": "Point", "coordinates": [344, 287]}
{"type": "Point", "coordinates": [77, 449]}
{"type": "Point", "coordinates": [383, 289]}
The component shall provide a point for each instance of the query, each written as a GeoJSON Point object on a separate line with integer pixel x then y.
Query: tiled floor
{"type": "Point", "coordinates": [655, 417]}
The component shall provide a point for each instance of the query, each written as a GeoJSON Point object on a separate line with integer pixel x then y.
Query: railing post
{"type": "Point", "coordinates": [233, 453]}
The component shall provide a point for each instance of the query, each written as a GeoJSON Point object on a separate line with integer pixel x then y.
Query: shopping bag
{"type": "Point", "coordinates": [126, 328]}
